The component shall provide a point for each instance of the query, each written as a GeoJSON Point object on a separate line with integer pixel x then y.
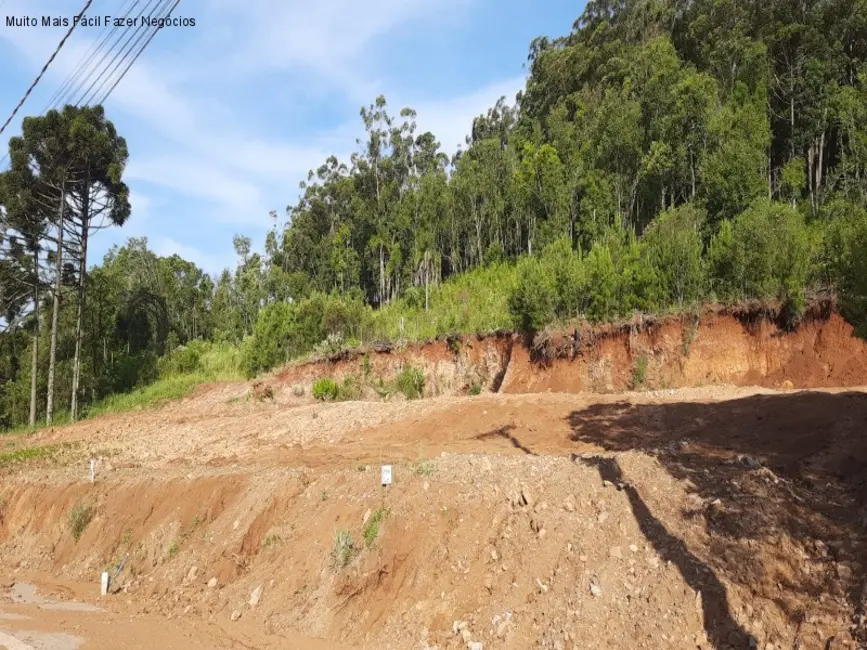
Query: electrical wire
{"type": "Point", "coordinates": [78, 98]}
{"type": "Point", "coordinates": [47, 64]}
{"type": "Point", "coordinates": [138, 54]}
{"type": "Point", "coordinates": [74, 79]}
{"type": "Point", "coordinates": [124, 53]}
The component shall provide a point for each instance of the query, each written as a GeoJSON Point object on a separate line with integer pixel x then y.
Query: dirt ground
{"type": "Point", "coordinates": [715, 517]}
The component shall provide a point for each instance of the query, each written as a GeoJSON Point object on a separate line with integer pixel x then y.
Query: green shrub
{"type": "Point", "coordinates": [371, 528]}
{"type": "Point", "coordinates": [533, 301]}
{"type": "Point", "coordinates": [326, 389]}
{"type": "Point", "coordinates": [766, 253]}
{"type": "Point", "coordinates": [672, 246]}
{"type": "Point", "coordinates": [475, 389]}
{"type": "Point", "coordinates": [410, 382]}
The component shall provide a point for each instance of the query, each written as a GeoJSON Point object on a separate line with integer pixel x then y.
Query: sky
{"type": "Point", "coordinates": [223, 119]}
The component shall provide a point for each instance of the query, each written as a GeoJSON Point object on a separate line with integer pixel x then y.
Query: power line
{"type": "Point", "coordinates": [45, 67]}
{"type": "Point", "coordinates": [86, 97]}
{"type": "Point", "coordinates": [138, 54]}
{"type": "Point", "coordinates": [67, 88]}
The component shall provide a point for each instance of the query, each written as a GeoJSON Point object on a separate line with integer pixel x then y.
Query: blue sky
{"type": "Point", "coordinates": [225, 118]}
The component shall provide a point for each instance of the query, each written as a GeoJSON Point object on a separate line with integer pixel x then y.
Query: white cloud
{"type": "Point", "coordinates": [213, 264]}
{"type": "Point", "coordinates": [451, 120]}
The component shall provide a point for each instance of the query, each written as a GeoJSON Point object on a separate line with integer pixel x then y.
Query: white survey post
{"type": "Point", "coordinates": [386, 475]}
{"type": "Point", "coordinates": [92, 470]}
{"type": "Point", "coordinates": [103, 588]}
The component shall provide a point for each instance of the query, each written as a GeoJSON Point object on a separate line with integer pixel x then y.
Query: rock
{"type": "Point", "coordinates": [459, 626]}
{"type": "Point", "coordinates": [602, 517]}
{"type": "Point", "coordinates": [212, 583]}
{"type": "Point", "coordinates": [615, 552]}
{"type": "Point", "coordinates": [192, 573]}
{"type": "Point", "coordinates": [749, 462]}
{"type": "Point", "coordinates": [788, 385]}
{"type": "Point", "coordinates": [633, 548]}
{"type": "Point", "coordinates": [256, 596]}
{"type": "Point", "coordinates": [426, 486]}
{"type": "Point", "coordinates": [474, 645]}
{"type": "Point", "coordinates": [494, 555]}
{"type": "Point", "coordinates": [569, 504]}
{"type": "Point", "coordinates": [526, 496]}
{"type": "Point", "coordinates": [466, 636]}
{"type": "Point", "coordinates": [236, 615]}
{"type": "Point", "coordinates": [502, 628]}
{"type": "Point", "coordinates": [595, 589]}
{"type": "Point", "coordinates": [489, 582]}
{"type": "Point", "coordinates": [366, 517]}
{"type": "Point", "coordinates": [606, 483]}
{"type": "Point", "coordinates": [844, 571]}
{"type": "Point", "coordinates": [236, 524]}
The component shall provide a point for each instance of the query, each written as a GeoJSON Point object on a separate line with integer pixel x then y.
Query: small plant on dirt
{"type": "Point", "coordinates": [350, 389]}
{"type": "Point", "coordinates": [423, 466]}
{"type": "Point", "coordinates": [298, 390]}
{"type": "Point", "coordinates": [371, 528]}
{"type": "Point", "coordinates": [324, 496]}
{"type": "Point", "coordinates": [126, 540]}
{"type": "Point", "coordinates": [475, 389]}
{"type": "Point", "coordinates": [454, 344]}
{"type": "Point", "coordinates": [410, 382]}
{"type": "Point", "coordinates": [262, 391]}
{"type": "Point", "coordinates": [689, 334]}
{"type": "Point", "coordinates": [79, 517]}
{"type": "Point", "coordinates": [639, 373]}
{"type": "Point", "coordinates": [326, 389]}
{"type": "Point", "coordinates": [365, 365]}
{"type": "Point", "coordinates": [344, 549]}
{"type": "Point", "coordinates": [173, 549]}
{"type": "Point", "coordinates": [271, 539]}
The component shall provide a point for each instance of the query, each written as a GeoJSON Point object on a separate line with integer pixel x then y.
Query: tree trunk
{"type": "Point", "coordinates": [82, 278]}
{"type": "Point", "coordinates": [34, 362]}
{"type": "Point", "coordinates": [55, 312]}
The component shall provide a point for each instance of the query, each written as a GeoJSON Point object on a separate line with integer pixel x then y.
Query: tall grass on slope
{"type": "Point", "coordinates": [179, 373]}
{"type": "Point", "coordinates": [473, 302]}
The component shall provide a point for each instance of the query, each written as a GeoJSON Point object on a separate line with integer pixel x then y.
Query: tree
{"type": "Point", "coordinates": [79, 151]}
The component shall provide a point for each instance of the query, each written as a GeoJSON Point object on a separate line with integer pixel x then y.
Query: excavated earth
{"type": "Point", "coordinates": [720, 504]}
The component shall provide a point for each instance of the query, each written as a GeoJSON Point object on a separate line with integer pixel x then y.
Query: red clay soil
{"type": "Point", "coordinates": [740, 349]}
{"type": "Point", "coordinates": [717, 517]}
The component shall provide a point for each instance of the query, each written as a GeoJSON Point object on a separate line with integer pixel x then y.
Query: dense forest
{"type": "Point", "coordinates": [664, 153]}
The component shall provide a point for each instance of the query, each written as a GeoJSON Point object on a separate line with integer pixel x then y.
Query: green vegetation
{"type": "Point", "coordinates": [371, 528]}
{"type": "Point", "coordinates": [326, 389]}
{"type": "Point", "coordinates": [344, 549]}
{"type": "Point", "coordinates": [173, 549]}
{"type": "Point", "coordinates": [410, 382]}
{"type": "Point", "coordinates": [475, 389]}
{"type": "Point", "coordinates": [78, 519]}
{"type": "Point", "coordinates": [660, 156]}
{"type": "Point", "coordinates": [639, 373]}
{"type": "Point", "coordinates": [27, 454]}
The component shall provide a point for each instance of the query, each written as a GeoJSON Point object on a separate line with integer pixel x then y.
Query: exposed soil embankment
{"type": "Point", "coordinates": [725, 347]}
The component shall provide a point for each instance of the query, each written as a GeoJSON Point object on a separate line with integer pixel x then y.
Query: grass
{"type": "Point", "coordinates": [78, 518]}
{"type": "Point", "coordinates": [371, 528]}
{"type": "Point", "coordinates": [639, 373]}
{"type": "Point", "coordinates": [344, 549]}
{"type": "Point", "coordinates": [473, 302]}
{"type": "Point", "coordinates": [475, 389]}
{"type": "Point", "coordinates": [173, 549]}
{"type": "Point", "coordinates": [28, 454]}
{"type": "Point", "coordinates": [410, 382]}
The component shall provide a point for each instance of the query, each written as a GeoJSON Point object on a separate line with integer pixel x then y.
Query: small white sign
{"type": "Point", "coordinates": [386, 475]}
{"type": "Point", "coordinates": [104, 583]}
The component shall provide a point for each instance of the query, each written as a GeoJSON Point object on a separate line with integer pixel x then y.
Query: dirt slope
{"type": "Point", "coordinates": [512, 523]}
{"type": "Point", "coordinates": [705, 517]}
{"type": "Point", "coordinates": [721, 347]}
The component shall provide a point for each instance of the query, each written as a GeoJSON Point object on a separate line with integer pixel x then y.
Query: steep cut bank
{"type": "Point", "coordinates": [741, 348]}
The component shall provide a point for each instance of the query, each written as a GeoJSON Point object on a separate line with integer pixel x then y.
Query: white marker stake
{"type": "Point", "coordinates": [386, 475]}
{"type": "Point", "coordinates": [92, 470]}
{"type": "Point", "coordinates": [104, 584]}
